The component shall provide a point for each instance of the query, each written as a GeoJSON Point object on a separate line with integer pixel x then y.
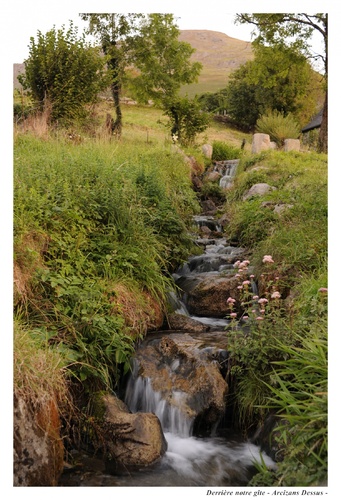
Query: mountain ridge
{"type": "Point", "coordinates": [219, 54]}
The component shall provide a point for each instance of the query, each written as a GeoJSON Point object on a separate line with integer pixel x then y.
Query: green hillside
{"type": "Point", "coordinates": [219, 54]}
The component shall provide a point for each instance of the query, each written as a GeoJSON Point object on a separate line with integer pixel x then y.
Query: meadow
{"type": "Point", "coordinates": [100, 225]}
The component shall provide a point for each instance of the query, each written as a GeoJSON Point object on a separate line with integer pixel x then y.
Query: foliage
{"type": "Point", "coordinates": [301, 404]}
{"type": "Point", "coordinates": [214, 102]}
{"type": "Point", "coordinates": [295, 31]}
{"type": "Point", "coordinates": [278, 79]}
{"type": "Point", "coordinates": [144, 53]}
{"type": "Point", "coordinates": [186, 119]}
{"type": "Point", "coordinates": [252, 339]}
{"type": "Point", "coordinates": [163, 62]}
{"type": "Point", "coordinates": [251, 223]}
{"type": "Point", "coordinates": [103, 240]}
{"type": "Point", "coordinates": [64, 72]}
{"type": "Point", "coordinates": [277, 337]}
{"type": "Point", "coordinates": [224, 151]}
{"type": "Point", "coordinates": [278, 126]}
{"type": "Point", "coordinates": [39, 371]}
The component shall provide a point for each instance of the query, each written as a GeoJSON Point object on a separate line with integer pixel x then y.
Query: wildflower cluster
{"type": "Point", "coordinates": [255, 308]}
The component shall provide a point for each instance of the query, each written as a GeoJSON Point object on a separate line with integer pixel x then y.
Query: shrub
{"type": "Point", "coordinates": [224, 151]}
{"type": "Point", "coordinates": [278, 126]}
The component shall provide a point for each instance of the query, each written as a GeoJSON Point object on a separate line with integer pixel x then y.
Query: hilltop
{"type": "Point", "coordinates": [219, 54]}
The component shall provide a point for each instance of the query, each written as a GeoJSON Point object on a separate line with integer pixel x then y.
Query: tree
{"type": "Point", "coordinates": [143, 53]}
{"type": "Point", "coordinates": [63, 71]}
{"type": "Point", "coordinates": [112, 31]}
{"type": "Point", "coordinates": [295, 30]}
{"type": "Point", "coordinates": [278, 79]}
{"type": "Point", "coordinates": [161, 60]}
{"type": "Point", "coordinates": [186, 119]}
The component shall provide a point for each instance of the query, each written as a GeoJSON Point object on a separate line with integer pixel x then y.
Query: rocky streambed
{"type": "Point", "coordinates": [171, 427]}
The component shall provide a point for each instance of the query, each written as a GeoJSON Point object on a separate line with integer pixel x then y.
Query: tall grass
{"type": "Point", "coordinates": [96, 224]}
{"type": "Point", "coordinates": [280, 362]}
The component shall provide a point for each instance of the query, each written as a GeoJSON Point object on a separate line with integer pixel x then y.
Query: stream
{"type": "Point", "coordinates": [197, 454]}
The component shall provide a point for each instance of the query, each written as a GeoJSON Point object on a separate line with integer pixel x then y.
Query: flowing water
{"type": "Point", "coordinates": [219, 459]}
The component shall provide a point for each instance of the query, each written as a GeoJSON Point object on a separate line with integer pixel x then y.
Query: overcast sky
{"type": "Point", "coordinates": [27, 17]}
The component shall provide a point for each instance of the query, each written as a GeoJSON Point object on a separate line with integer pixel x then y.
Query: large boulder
{"type": "Point", "coordinates": [260, 142]}
{"type": "Point", "coordinates": [128, 440]}
{"type": "Point", "coordinates": [187, 381]}
{"type": "Point", "coordinates": [292, 145]}
{"type": "Point", "coordinates": [38, 446]}
{"type": "Point", "coordinates": [208, 297]}
{"type": "Point", "coordinates": [207, 150]}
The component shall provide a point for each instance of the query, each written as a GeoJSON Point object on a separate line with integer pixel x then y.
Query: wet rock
{"type": "Point", "coordinates": [213, 177]}
{"type": "Point", "coordinates": [180, 322]}
{"type": "Point", "coordinates": [209, 207]}
{"type": "Point", "coordinates": [38, 447]}
{"type": "Point", "coordinates": [184, 378]}
{"type": "Point", "coordinates": [209, 296]}
{"type": "Point", "coordinates": [129, 440]}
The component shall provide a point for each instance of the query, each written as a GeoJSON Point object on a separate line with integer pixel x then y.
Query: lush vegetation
{"type": "Point", "coordinates": [99, 225]}
{"type": "Point", "coordinates": [98, 229]}
{"type": "Point", "coordinates": [280, 360]}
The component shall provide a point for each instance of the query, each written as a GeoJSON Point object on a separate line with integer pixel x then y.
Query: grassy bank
{"type": "Point", "coordinates": [280, 366]}
{"type": "Point", "coordinates": [99, 227]}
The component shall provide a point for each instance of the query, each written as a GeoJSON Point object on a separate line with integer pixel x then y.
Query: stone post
{"type": "Point", "coordinates": [260, 142]}
{"type": "Point", "coordinates": [292, 145]}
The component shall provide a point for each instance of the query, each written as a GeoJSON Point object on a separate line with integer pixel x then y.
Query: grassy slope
{"type": "Point", "coordinates": [297, 176]}
{"type": "Point", "coordinates": [219, 54]}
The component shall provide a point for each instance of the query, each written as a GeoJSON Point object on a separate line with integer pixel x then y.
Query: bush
{"type": "Point", "coordinates": [95, 245]}
{"type": "Point", "coordinates": [278, 126]}
{"type": "Point", "coordinates": [224, 151]}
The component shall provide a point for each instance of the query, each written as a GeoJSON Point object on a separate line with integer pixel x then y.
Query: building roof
{"type": "Point", "coordinates": [314, 123]}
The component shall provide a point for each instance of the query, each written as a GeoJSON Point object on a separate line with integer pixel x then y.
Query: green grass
{"type": "Point", "coordinates": [281, 364]}
{"type": "Point", "coordinates": [96, 224]}
{"type": "Point", "coordinates": [100, 225]}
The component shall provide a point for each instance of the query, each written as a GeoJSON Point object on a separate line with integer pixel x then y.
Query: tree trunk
{"type": "Point", "coordinates": [117, 124]}
{"type": "Point", "coordinates": [323, 135]}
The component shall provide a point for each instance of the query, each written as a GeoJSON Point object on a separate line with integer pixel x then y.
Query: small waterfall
{"type": "Point", "coordinates": [228, 170]}
{"type": "Point", "coordinates": [140, 396]}
{"type": "Point", "coordinates": [192, 461]}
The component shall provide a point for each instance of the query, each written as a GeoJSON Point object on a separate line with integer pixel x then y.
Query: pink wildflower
{"type": "Point", "coordinates": [268, 258]}
{"type": "Point", "coordinates": [259, 318]}
{"type": "Point", "coordinates": [230, 300]}
{"type": "Point", "coordinates": [240, 287]}
{"type": "Point", "coordinates": [262, 311]}
{"type": "Point", "coordinates": [255, 297]}
{"type": "Point", "coordinates": [236, 264]}
{"type": "Point", "coordinates": [276, 295]}
{"type": "Point", "coordinates": [323, 290]}
{"type": "Point", "coordinates": [237, 275]}
{"type": "Point", "coordinates": [233, 315]}
{"type": "Point", "coordinates": [252, 276]}
{"type": "Point", "coordinates": [246, 282]}
{"type": "Point", "coordinates": [245, 317]}
{"type": "Point", "coordinates": [263, 301]}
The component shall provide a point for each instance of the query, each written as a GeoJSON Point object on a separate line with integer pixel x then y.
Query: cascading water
{"type": "Point", "coordinates": [190, 460]}
{"type": "Point", "coordinates": [174, 388]}
{"type": "Point", "coordinates": [227, 169]}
